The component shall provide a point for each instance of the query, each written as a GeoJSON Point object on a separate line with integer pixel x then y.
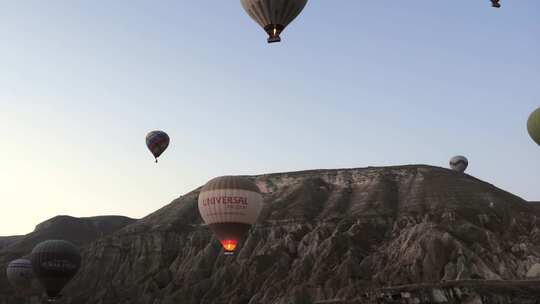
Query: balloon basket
{"type": "Point", "coordinates": [274, 39]}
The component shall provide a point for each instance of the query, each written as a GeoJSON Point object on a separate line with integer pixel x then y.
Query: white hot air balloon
{"type": "Point", "coordinates": [273, 15]}
{"type": "Point", "coordinates": [459, 163]}
{"type": "Point", "coordinates": [230, 205]}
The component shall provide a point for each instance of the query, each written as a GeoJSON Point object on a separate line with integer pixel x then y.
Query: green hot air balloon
{"type": "Point", "coordinates": [55, 263]}
{"type": "Point", "coordinates": [533, 125]}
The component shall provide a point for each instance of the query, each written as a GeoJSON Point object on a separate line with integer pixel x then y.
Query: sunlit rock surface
{"type": "Point", "coordinates": [409, 234]}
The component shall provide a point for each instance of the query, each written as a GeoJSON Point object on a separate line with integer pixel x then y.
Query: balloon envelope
{"type": "Point", "coordinates": [55, 263]}
{"type": "Point", "coordinates": [459, 163]}
{"type": "Point", "coordinates": [273, 15]}
{"type": "Point", "coordinates": [157, 142]}
{"type": "Point", "coordinates": [230, 205]}
{"type": "Point", "coordinates": [533, 125]}
{"type": "Point", "coordinates": [21, 275]}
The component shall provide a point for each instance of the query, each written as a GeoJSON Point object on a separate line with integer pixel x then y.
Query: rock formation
{"type": "Point", "coordinates": [80, 231]}
{"type": "Point", "coordinates": [407, 234]}
{"type": "Point", "coordinates": [8, 240]}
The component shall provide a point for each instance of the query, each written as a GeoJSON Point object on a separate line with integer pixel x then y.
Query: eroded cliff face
{"type": "Point", "coordinates": [80, 231]}
{"type": "Point", "coordinates": [323, 235]}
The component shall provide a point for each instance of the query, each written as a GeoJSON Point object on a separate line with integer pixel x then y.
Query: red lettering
{"type": "Point", "coordinates": [226, 200]}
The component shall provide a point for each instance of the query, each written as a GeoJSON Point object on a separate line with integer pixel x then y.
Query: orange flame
{"type": "Point", "coordinates": [229, 245]}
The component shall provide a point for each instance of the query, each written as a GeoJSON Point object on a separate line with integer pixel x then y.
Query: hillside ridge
{"type": "Point", "coordinates": [324, 235]}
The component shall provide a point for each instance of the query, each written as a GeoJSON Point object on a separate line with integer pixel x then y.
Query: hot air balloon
{"type": "Point", "coordinates": [55, 263]}
{"type": "Point", "coordinates": [459, 163]}
{"type": "Point", "coordinates": [230, 205]}
{"type": "Point", "coordinates": [21, 276]}
{"type": "Point", "coordinates": [157, 142]}
{"type": "Point", "coordinates": [533, 126]}
{"type": "Point", "coordinates": [273, 15]}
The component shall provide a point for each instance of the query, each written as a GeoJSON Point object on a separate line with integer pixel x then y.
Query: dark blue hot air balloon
{"type": "Point", "coordinates": [55, 263]}
{"type": "Point", "coordinates": [157, 142]}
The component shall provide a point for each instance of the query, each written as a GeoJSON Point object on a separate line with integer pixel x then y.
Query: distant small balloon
{"type": "Point", "coordinates": [55, 263]}
{"type": "Point", "coordinates": [533, 126]}
{"type": "Point", "coordinates": [21, 276]}
{"type": "Point", "coordinates": [157, 142]}
{"type": "Point", "coordinates": [495, 3]}
{"type": "Point", "coordinates": [459, 163]}
{"type": "Point", "coordinates": [273, 15]}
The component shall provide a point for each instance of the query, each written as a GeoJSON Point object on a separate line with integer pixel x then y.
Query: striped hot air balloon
{"type": "Point", "coordinates": [533, 126]}
{"type": "Point", "coordinates": [55, 263]}
{"type": "Point", "coordinates": [273, 15]}
{"type": "Point", "coordinates": [459, 163]}
{"type": "Point", "coordinates": [21, 276]}
{"type": "Point", "coordinates": [230, 205]}
{"type": "Point", "coordinates": [157, 142]}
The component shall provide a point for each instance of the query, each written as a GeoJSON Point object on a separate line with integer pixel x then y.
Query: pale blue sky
{"type": "Point", "coordinates": [354, 83]}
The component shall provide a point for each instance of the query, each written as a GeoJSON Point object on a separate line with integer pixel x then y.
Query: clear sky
{"type": "Point", "coordinates": [354, 83]}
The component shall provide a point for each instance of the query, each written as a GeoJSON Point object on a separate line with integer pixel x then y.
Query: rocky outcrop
{"type": "Point", "coordinates": [464, 291]}
{"type": "Point", "coordinates": [80, 231]}
{"type": "Point", "coordinates": [327, 236]}
{"type": "Point", "coordinates": [8, 240]}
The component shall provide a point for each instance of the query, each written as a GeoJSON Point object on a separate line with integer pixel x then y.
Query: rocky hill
{"type": "Point", "coordinates": [8, 240]}
{"type": "Point", "coordinates": [408, 234]}
{"type": "Point", "coordinates": [80, 231]}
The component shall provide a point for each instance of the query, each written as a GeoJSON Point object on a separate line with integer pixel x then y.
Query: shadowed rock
{"type": "Point", "coordinates": [8, 240]}
{"type": "Point", "coordinates": [80, 231]}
